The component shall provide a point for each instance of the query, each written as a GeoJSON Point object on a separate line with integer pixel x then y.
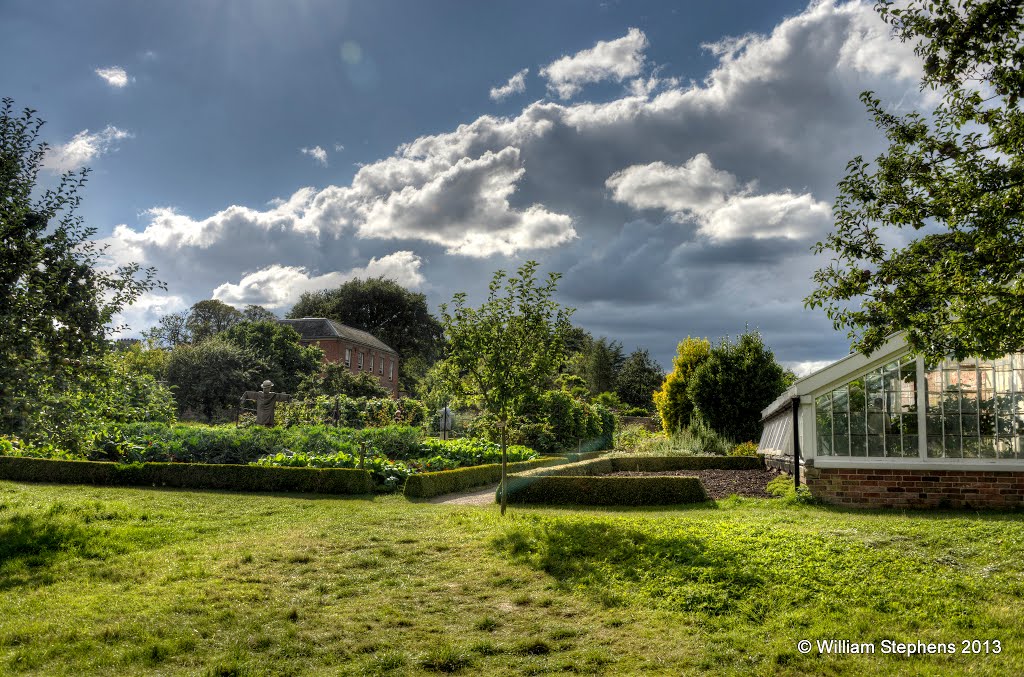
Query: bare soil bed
{"type": "Point", "coordinates": [720, 483]}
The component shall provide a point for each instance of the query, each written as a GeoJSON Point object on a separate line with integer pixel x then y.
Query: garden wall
{"type": "Point", "coordinates": [916, 488]}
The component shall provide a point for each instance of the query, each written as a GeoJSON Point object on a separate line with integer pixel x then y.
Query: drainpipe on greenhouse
{"type": "Point", "coordinates": [796, 441]}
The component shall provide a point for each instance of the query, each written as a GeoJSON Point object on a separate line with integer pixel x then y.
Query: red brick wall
{"type": "Point", "coordinates": [891, 488]}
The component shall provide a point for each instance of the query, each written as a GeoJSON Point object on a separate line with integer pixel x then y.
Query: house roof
{"type": "Point", "coordinates": [836, 373]}
{"type": "Point", "coordinates": [310, 328]}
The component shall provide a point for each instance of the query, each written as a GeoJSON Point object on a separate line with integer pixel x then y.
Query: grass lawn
{"type": "Point", "coordinates": [146, 581]}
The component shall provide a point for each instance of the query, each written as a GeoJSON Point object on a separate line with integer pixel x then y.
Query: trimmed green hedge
{"type": "Point", "coordinates": [605, 490]}
{"type": "Point", "coordinates": [668, 463]}
{"type": "Point", "coordinates": [189, 476]}
{"type": "Point", "coordinates": [426, 485]}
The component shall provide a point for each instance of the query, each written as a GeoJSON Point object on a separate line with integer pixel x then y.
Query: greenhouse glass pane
{"type": "Point", "coordinates": [823, 404]}
{"type": "Point", "coordinates": [1018, 378]}
{"type": "Point", "coordinates": [873, 392]}
{"type": "Point", "coordinates": [987, 423]}
{"type": "Point", "coordinates": [841, 424]}
{"type": "Point", "coordinates": [971, 447]}
{"type": "Point", "coordinates": [1004, 447]}
{"type": "Point", "coordinates": [858, 423]}
{"type": "Point", "coordinates": [952, 444]}
{"type": "Point", "coordinates": [987, 447]}
{"type": "Point", "coordinates": [933, 378]}
{"type": "Point", "coordinates": [824, 445]}
{"type": "Point", "coordinates": [910, 424]}
{"type": "Point", "coordinates": [1004, 425]}
{"type": "Point", "coordinates": [876, 445]}
{"type": "Point", "coordinates": [950, 379]}
{"type": "Point", "coordinates": [969, 424]}
{"type": "Point", "coordinates": [933, 421]}
{"type": "Point", "coordinates": [892, 425]}
{"type": "Point", "coordinates": [841, 445]}
{"type": "Point", "coordinates": [968, 363]}
{"type": "Point", "coordinates": [910, 446]}
{"type": "Point", "coordinates": [876, 423]}
{"type": "Point", "coordinates": [857, 403]}
{"type": "Point", "coordinates": [1003, 382]}
{"type": "Point", "coordinates": [951, 424]}
{"type": "Point", "coordinates": [858, 445]}
{"type": "Point", "coordinates": [840, 400]}
{"type": "Point", "coordinates": [935, 447]}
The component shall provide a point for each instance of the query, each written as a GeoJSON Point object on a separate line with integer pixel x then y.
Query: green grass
{"type": "Point", "coordinates": [115, 581]}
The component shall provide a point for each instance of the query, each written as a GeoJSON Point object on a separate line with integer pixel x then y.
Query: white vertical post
{"type": "Point", "coordinates": [922, 407]}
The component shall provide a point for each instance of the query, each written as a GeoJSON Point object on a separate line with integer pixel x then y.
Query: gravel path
{"type": "Point", "coordinates": [718, 484]}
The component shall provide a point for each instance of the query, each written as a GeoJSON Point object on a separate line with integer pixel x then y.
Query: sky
{"type": "Point", "coordinates": [674, 162]}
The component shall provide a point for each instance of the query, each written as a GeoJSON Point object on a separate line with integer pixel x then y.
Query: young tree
{"type": "Point", "coordinates": [398, 317]}
{"type": "Point", "coordinates": [171, 330]}
{"type": "Point", "coordinates": [507, 351]}
{"type": "Point", "coordinates": [729, 389]}
{"type": "Point", "coordinates": [55, 300]}
{"type": "Point", "coordinates": [956, 178]}
{"type": "Point", "coordinates": [638, 379]}
{"type": "Point", "coordinates": [673, 400]}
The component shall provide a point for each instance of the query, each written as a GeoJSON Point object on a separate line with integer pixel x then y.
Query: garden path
{"type": "Point", "coordinates": [480, 496]}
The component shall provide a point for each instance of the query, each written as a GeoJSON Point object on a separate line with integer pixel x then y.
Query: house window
{"type": "Point", "coordinates": [381, 366]}
{"type": "Point", "coordinates": [391, 370]}
{"type": "Point", "coordinates": [873, 415]}
{"type": "Point", "coordinates": [371, 364]}
{"type": "Point", "coordinates": [976, 408]}
{"type": "Point", "coordinates": [360, 360]}
{"type": "Point", "coordinates": [348, 357]}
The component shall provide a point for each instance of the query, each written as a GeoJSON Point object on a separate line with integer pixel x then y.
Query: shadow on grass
{"type": "Point", "coordinates": [613, 563]}
{"type": "Point", "coordinates": [31, 544]}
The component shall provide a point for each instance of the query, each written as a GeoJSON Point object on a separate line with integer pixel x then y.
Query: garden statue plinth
{"type": "Point", "coordinates": [266, 401]}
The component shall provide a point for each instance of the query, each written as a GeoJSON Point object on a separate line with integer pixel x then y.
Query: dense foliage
{"type": "Point", "coordinates": [210, 377]}
{"type": "Point", "coordinates": [276, 350]}
{"type": "Point", "coordinates": [55, 300]}
{"type": "Point", "coordinates": [956, 177]}
{"type": "Point", "coordinates": [354, 412]}
{"type": "Point", "coordinates": [638, 379]}
{"type": "Point", "coordinates": [334, 378]}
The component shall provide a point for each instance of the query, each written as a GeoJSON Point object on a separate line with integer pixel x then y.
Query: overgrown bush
{"type": "Point", "coordinates": [744, 449]}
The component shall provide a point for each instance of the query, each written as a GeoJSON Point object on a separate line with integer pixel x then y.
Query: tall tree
{"type": "Point", "coordinates": [734, 384]}
{"type": "Point", "coordinates": [171, 330]}
{"type": "Point", "coordinates": [210, 317]}
{"type": "Point", "coordinates": [55, 301]}
{"type": "Point", "coordinates": [398, 317]}
{"type": "Point", "coordinates": [638, 379]}
{"type": "Point", "coordinates": [604, 359]}
{"type": "Point", "coordinates": [254, 313]}
{"type": "Point", "coordinates": [209, 377]}
{"type": "Point", "coordinates": [956, 177]}
{"type": "Point", "coordinates": [507, 351]}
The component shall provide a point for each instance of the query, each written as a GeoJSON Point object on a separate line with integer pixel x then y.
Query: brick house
{"type": "Point", "coordinates": [356, 349]}
{"type": "Point", "coordinates": [891, 430]}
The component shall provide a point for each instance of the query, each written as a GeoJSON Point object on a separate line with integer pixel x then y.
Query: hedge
{"type": "Point", "coordinates": [668, 463]}
{"type": "Point", "coordinates": [428, 484]}
{"type": "Point", "coordinates": [605, 490]}
{"type": "Point", "coordinates": [188, 476]}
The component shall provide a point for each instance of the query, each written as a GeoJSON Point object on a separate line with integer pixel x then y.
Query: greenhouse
{"type": "Point", "coordinates": [891, 429]}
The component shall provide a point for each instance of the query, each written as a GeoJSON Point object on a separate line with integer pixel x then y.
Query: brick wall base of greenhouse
{"type": "Point", "coordinates": [893, 488]}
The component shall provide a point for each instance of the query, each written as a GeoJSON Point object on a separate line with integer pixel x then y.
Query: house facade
{"type": "Point", "coordinates": [358, 350]}
{"type": "Point", "coordinates": [891, 430]}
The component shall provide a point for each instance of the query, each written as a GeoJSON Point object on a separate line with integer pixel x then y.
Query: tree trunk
{"type": "Point", "coordinates": [504, 473]}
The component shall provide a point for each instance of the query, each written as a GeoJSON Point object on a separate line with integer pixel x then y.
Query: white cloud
{"type": "Point", "coordinates": [515, 85]}
{"type": "Point", "coordinates": [807, 367]}
{"type": "Point", "coordinates": [699, 192]}
{"type": "Point", "coordinates": [614, 59]}
{"type": "Point", "coordinates": [317, 153]}
{"type": "Point", "coordinates": [278, 286]}
{"type": "Point", "coordinates": [83, 148]}
{"type": "Point", "coordinates": [146, 312]}
{"type": "Point", "coordinates": [115, 76]}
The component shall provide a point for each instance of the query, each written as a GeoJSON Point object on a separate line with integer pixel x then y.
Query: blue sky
{"type": "Point", "coordinates": [675, 161]}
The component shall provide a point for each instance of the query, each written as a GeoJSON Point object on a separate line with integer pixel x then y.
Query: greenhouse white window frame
{"type": "Point", "coordinates": [959, 432]}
